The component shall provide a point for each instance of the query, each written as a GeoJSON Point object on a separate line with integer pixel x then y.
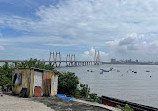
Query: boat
{"type": "Point", "coordinates": [134, 71]}
{"type": "Point", "coordinates": [147, 71]}
{"type": "Point", "coordinates": [111, 69]}
{"type": "Point", "coordinates": [104, 70]}
{"type": "Point", "coordinates": [114, 102]}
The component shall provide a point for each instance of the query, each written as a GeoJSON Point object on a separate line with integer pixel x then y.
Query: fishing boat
{"type": "Point", "coordinates": [114, 102]}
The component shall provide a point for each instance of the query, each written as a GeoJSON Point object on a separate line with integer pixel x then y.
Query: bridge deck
{"type": "Point", "coordinates": [42, 61]}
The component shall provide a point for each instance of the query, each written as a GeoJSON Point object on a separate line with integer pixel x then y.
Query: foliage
{"type": "Point", "coordinates": [34, 63]}
{"type": "Point", "coordinates": [84, 90]}
{"type": "Point", "coordinates": [126, 108]}
{"type": "Point", "coordinates": [6, 69]}
{"type": "Point", "coordinates": [94, 97]}
{"type": "Point", "coordinates": [5, 74]}
{"type": "Point", "coordinates": [67, 83]}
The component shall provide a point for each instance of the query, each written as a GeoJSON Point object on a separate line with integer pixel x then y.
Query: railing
{"type": "Point", "coordinates": [68, 63]}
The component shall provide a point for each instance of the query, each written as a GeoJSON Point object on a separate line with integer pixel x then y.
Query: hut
{"type": "Point", "coordinates": [34, 82]}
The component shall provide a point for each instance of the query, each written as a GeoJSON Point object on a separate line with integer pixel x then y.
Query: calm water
{"type": "Point", "coordinates": [141, 87]}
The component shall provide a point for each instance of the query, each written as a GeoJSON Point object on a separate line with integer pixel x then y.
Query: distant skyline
{"type": "Point", "coordinates": [121, 29]}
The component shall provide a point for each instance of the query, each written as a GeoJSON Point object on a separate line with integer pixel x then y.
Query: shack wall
{"type": "Point", "coordinates": [38, 81]}
{"type": "Point", "coordinates": [21, 79]}
{"type": "Point", "coordinates": [47, 83]}
{"type": "Point", "coordinates": [31, 82]}
{"type": "Point", "coordinates": [29, 78]}
{"type": "Point", "coordinates": [54, 84]}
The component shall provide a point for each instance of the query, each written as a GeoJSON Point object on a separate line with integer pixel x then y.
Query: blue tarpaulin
{"type": "Point", "coordinates": [64, 96]}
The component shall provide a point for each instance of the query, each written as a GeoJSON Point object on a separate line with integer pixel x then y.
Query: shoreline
{"type": "Point", "coordinates": [53, 103]}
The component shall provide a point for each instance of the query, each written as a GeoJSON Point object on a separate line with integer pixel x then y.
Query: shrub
{"type": "Point", "coordinates": [84, 90]}
{"type": "Point", "coordinates": [34, 63]}
{"type": "Point", "coordinates": [94, 97]}
{"type": "Point", "coordinates": [125, 108]}
{"type": "Point", "coordinates": [5, 74]}
{"type": "Point", "coordinates": [67, 83]}
{"type": "Point", "coordinates": [6, 69]}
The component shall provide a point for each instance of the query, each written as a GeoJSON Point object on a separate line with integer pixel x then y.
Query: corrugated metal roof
{"type": "Point", "coordinates": [35, 69]}
{"type": "Point", "coordinates": [41, 69]}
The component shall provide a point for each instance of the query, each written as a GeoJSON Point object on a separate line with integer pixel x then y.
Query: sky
{"type": "Point", "coordinates": [121, 29]}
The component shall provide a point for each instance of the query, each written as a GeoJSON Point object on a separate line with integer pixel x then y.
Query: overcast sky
{"type": "Point", "coordinates": [121, 29]}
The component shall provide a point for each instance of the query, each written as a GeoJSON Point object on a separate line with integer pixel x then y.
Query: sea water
{"type": "Point", "coordinates": [135, 83]}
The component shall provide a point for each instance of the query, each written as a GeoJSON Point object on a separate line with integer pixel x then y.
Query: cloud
{"type": "Point", "coordinates": [1, 48]}
{"type": "Point", "coordinates": [24, 53]}
{"type": "Point", "coordinates": [122, 28]}
{"type": "Point", "coordinates": [1, 42]}
{"type": "Point", "coordinates": [89, 55]}
{"type": "Point", "coordinates": [60, 45]}
{"type": "Point", "coordinates": [133, 47]}
{"type": "Point", "coordinates": [90, 18]}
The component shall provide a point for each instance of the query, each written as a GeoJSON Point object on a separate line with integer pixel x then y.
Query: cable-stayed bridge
{"type": "Point", "coordinates": [56, 60]}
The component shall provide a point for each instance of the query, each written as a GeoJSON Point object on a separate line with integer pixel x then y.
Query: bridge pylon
{"type": "Point", "coordinates": [68, 58]}
{"type": "Point", "coordinates": [96, 57]}
{"type": "Point", "coordinates": [55, 57]}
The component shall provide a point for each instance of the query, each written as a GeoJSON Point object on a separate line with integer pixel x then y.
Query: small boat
{"type": "Point", "coordinates": [104, 70]}
{"type": "Point", "coordinates": [111, 69]}
{"type": "Point", "coordinates": [147, 71]}
{"type": "Point", "coordinates": [134, 72]}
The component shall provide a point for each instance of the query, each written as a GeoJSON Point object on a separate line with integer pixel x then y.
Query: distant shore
{"type": "Point", "coordinates": [131, 63]}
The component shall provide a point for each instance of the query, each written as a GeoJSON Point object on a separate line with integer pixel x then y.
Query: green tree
{"type": "Point", "coordinates": [125, 108]}
{"type": "Point", "coordinates": [5, 74]}
{"type": "Point", "coordinates": [84, 90]}
{"type": "Point", "coordinates": [34, 63]}
{"type": "Point", "coordinates": [6, 69]}
{"type": "Point", "coordinates": [67, 83]}
{"type": "Point", "coordinates": [94, 97]}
